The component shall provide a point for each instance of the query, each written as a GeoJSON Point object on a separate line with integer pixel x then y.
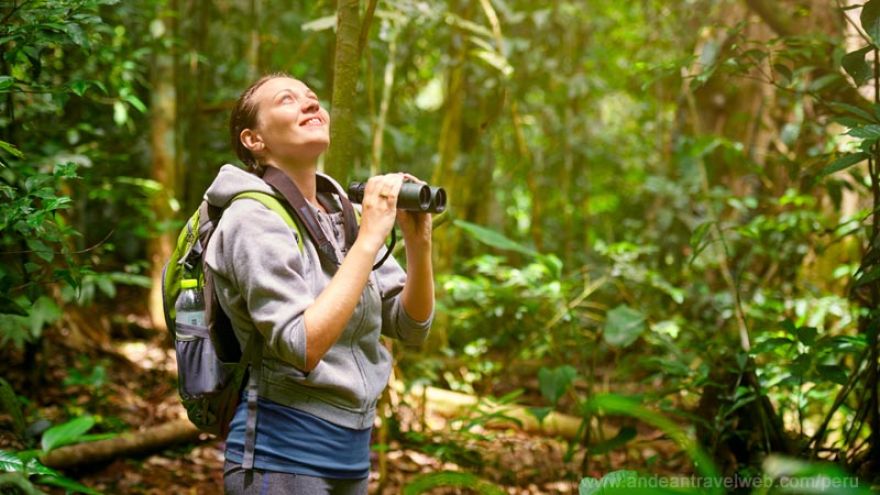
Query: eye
{"type": "Point", "coordinates": [286, 98]}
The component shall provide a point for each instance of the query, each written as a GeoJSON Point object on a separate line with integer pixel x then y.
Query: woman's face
{"type": "Point", "coordinates": [290, 121]}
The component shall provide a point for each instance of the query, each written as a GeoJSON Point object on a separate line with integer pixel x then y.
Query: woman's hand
{"type": "Point", "coordinates": [379, 208]}
{"type": "Point", "coordinates": [416, 227]}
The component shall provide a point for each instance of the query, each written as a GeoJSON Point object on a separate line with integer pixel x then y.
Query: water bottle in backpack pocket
{"type": "Point", "coordinates": [192, 342]}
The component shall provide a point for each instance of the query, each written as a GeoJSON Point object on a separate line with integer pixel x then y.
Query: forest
{"type": "Point", "coordinates": [658, 270]}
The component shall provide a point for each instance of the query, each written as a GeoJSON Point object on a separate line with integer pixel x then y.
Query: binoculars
{"type": "Point", "coordinates": [412, 197]}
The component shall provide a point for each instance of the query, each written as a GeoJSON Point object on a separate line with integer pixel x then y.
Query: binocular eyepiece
{"type": "Point", "coordinates": [412, 197]}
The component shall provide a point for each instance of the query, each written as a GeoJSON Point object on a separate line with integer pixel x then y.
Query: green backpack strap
{"type": "Point", "coordinates": [275, 205]}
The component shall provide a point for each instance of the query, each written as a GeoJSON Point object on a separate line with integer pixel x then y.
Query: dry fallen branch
{"type": "Point", "coordinates": [132, 443]}
{"type": "Point", "coordinates": [451, 404]}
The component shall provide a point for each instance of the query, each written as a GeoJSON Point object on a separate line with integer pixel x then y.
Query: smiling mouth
{"type": "Point", "coordinates": [314, 121]}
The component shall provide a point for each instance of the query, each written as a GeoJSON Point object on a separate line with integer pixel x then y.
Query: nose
{"type": "Point", "coordinates": [311, 106]}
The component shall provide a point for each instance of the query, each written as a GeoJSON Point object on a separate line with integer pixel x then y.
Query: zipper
{"type": "Point", "coordinates": [354, 340]}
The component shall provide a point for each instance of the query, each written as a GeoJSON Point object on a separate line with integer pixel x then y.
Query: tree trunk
{"type": "Point", "coordinates": [163, 109]}
{"type": "Point", "coordinates": [341, 157]}
{"type": "Point", "coordinates": [379, 128]}
{"type": "Point", "coordinates": [253, 54]}
{"type": "Point", "coordinates": [195, 172]}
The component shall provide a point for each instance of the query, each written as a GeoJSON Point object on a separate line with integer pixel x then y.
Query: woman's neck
{"type": "Point", "coordinates": [303, 175]}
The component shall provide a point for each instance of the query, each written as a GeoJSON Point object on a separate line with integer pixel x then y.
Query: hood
{"type": "Point", "coordinates": [232, 180]}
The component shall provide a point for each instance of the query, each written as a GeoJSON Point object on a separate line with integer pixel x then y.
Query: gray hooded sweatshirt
{"type": "Point", "coordinates": [265, 284]}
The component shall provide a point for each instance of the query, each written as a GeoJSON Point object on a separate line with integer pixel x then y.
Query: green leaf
{"type": "Point", "coordinates": [460, 22]}
{"type": "Point", "coordinates": [615, 404]}
{"type": "Point", "coordinates": [120, 114]}
{"type": "Point", "coordinates": [492, 238]}
{"type": "Point", "coordinates": [426, 482]}
{"type": "Point", "coordinates": [553, 383]}
{"type": "Point", "coordinates": [44, 312]}
{"type": "Point", "coordinates": [807, 335]}
{"type": "Point", "coordinates": [6, 82]}
{"type": "Point", "coordinates": [76, 34]}
{"type": "Point", "coordinates": [79, 87]}
{"type": "Point", "coordinates": [496, 60]}
{"type": "Point", "coordinates": [823, 477]}
{"type": "Point", "coordinates": [40, 249]}
{"type": "Point", "coordinates": [823, 82]}
{"type": "Point", "coordinates": [35, 466]}
{"type": "Point", "coordinates": [870, 19]}
{"type": "Point", "coordinates": [870, 132]}
{"type": "Point", "coordinates": [613, 482]}
{"type": "Point", "coordinates": [842, 163]}
{"type": "Point", "coordinates": [66, 433]}
{"type": "Point", "coordinates": [67, 484]}
{"type": "Point", "coordinates": [540, 412]}
{"type": "Point", "coordinates": [801, 365]}
{"type": "Point", "coordinates": [10, 462]}
{"type": "Point", "coordinates": [843, 343]}
{"type": "Point", "coordinates": [136, 102]}
{"type": "Point", "coordinates": [623, 436]}
{"type": "Point", "coordinates": [853, 110]}
{"type": "Point", "coordinates": [15, 328]}
{"type": "Point", "coordinates": [9, 403]}
{"type": "Point", "coordinates": [20, 481]}
{"type": "Point", "coordinates": [623, 325]}
{"type": "Point", "coordinates": [65, 170]}
{"type": "Point", "coordinates": [855, 65]}
{"type": "Point", "coordinates": [783, 71]}
{"type": "Point", "coordinates": [106, 286]}
{"type": "Point", "coordinates": [320, 24]}
{"type": "Point", "coordinates": [771, 345]}
{"type": "Point", "coordinates": [863, 278]}
{"type": "Point", "coordinates": [430, 98]}
{"type": "Point", "coordinates": [553, 263]}
{"type": "Point", "coordinates": [833, 373]}
{"type": "Point", "coordinates": [11, 149]}
{"type": "Point", "coordinates": [698, 240]}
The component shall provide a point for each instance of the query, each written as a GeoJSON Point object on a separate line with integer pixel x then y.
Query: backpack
{"type": "Point", "coordinates": [211, 366]}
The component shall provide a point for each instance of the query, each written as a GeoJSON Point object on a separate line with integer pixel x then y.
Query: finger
{"type": "Point", "coordinates": [391, 186]}
{"type": "Point", "coordinates": [377, 192]}
{"type": "Point", "coordinates": [412, 178]}
{"type": "Point", "coordinates": [373, 187]}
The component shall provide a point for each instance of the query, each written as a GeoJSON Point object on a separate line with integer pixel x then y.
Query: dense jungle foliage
{"type": "Point", "coordinates": [662, 226]}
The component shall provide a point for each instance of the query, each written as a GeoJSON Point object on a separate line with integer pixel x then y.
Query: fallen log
{"type": "Point", "coordinates": [449, 404]}
{"type": "Point", "coordinates": [131, 443]}
{"type": "Point", "coordinates": [445, 403]}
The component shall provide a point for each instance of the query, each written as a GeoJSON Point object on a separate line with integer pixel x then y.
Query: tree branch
{"type": "Point", "coordinates": [772, 15]}
{"type": "Point", "coordinates": [775, 17]}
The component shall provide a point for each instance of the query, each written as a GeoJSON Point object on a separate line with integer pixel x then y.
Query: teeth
{"type": "Point", "coordinates": [313, 121]}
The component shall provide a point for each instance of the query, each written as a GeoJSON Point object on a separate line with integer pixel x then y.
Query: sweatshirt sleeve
{"type": "Point", "coordinates": [257, 252]}
{"type": "Point", "coordinates": [396, 324]}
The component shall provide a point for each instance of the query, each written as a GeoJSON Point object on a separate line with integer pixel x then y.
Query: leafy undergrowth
{"type": "Point", "coordinates": [134, 388]}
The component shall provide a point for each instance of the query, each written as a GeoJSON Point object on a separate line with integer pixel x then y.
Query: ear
{"type": "Point", "coordinates": [252, 141]}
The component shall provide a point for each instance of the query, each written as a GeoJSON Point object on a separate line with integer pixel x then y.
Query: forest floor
{"type": "Point", "coordinates": [130, 384]}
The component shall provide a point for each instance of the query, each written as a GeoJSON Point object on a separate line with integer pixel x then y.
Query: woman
{"type": "Point", "coordinates": [323, 365]}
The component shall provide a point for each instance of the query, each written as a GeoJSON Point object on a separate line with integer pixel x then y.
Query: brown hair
{"type": "Point", "coordinates": [244, 116]}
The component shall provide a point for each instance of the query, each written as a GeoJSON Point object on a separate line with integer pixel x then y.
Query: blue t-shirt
{"type": "Point", "coordinates": [293, 441]}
